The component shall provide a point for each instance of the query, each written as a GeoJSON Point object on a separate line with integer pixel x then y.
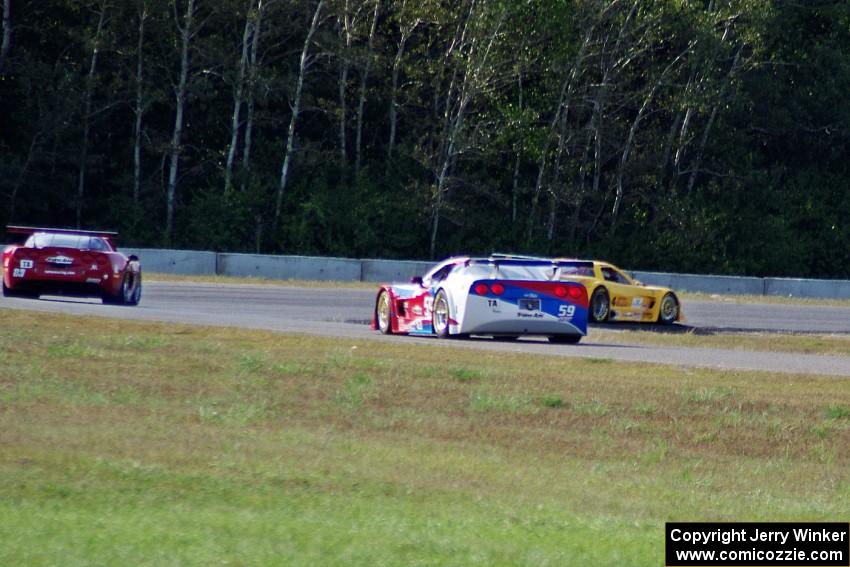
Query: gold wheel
{"type": "Point", "coordinates": [383, 311]}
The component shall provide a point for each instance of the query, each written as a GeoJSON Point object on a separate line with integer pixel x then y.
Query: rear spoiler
{"type": "Point", "coordinates": [32, 230]}
{"type": "Point", "coordinates": [523, 260]}
{"type": "Point", "coordinates": [24, 231]}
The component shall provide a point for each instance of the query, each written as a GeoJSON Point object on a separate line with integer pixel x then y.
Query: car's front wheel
{"type": "Point", "coordinates": [382, 313]}
{"type": "Point", "coordinates": [668, 312]}
{"type": "Point", "coordinates": [130, 292]}
{"type": "Point", "coordinates": [600, 305]}
{"type": "Point", "coordinates": [441, 315]}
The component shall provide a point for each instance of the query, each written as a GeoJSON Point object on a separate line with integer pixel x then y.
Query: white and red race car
{"type": "Point", "coordinates": [498, 297]}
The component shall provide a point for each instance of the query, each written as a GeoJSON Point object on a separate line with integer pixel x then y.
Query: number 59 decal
{"type": "Point", "coordinates": [567, 311]}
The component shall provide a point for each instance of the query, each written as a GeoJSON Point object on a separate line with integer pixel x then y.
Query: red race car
{"type": "Point", "coordinates": [80, 263]}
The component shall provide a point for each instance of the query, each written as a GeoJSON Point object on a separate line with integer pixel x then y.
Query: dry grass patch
{"type": "Point", "coordinates": [159, 277]}
{"type": "Point", "coordinates": [836, 345]}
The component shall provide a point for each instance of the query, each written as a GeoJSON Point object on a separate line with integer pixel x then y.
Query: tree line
{"type": "Point", "coordinates": [686, 135]}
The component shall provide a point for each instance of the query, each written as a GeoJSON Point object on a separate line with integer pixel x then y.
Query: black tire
{"type": "Point", "coordinates": [600, 305]}
{"type": "Point", "coordinates": [136, 293]}
{"type": "Point", "coordinates": [668, 311]}
{"type": "Point", "coordinates": [25, 294]}
{"type": "Point", "coordinates": [383, 313]}
{"type": "Point", "coordinates": [565, 339]}
{"type": "Point", "coordinates": [130, 292]}
{"type": "Point", "coordinates": [440, 315]}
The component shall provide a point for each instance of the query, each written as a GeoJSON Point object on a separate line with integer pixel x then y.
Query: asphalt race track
{"type": "Point", "coordinates": [344, 313]}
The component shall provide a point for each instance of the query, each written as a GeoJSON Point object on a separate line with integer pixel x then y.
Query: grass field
{"type": "Point", "coordinates": [147, 444]}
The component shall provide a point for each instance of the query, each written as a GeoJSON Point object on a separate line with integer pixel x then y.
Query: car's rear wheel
{"type": "Point", "coordinates": [130, 292]}
{"type": "Point", "coordinates": [135, 291]}
{"type": "Point", "coordinates": [668, 312]}
{"type": "Point", "coordinates": [9, 292]}
{"type": "Point", "coordinates": [565, 339]}
{"type": "Point", "coordinates": [441, 315]}
{"type": "Point", "coordinates": [600, 305]}
{"type": "Point", "coordinates": [382, 313]}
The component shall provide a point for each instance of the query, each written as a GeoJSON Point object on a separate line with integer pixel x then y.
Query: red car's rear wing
{"type": "Point", "coordinates": [32, 230]}
{"type": "Point", "coordinates": [25, 231]}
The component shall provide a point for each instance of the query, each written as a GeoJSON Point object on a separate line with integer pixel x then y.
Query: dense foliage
{"type": "Point", "coordinates": [685, 135]}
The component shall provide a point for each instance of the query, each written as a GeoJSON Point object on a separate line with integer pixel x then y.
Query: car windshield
{"type": "Point", "coordinates": [77, 241]}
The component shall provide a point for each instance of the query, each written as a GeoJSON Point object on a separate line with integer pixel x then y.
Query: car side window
{"type": "Point", "coordinates": [612, 275]}
{"type": "Point", "coordinates": [442, 273]}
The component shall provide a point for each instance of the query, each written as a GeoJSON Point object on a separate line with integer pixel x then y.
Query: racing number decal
{"type": "Point", "coordinates": [429, 304]}
{"type": "Point", "coordinates": [637, 302]}
{"type": "Point", "coordinates": [567, 311]}
{"type": "Point", "coordinates": [22, 271]}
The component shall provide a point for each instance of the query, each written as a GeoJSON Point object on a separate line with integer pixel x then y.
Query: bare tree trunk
{"type": "Point", "coordinates": [564, 101]}
{"type": "Point", "coordinates": [668, 149]}
{"type": "Point", "coordinates": [343, 80]}
{"type": "Point", "coordinates": [252, 85]}
{"type": "Point", "coordinates": [363, 84]}
{"type": "Point", "coordinates": [296, 106]}
{"type": "Point", "coordinates": [6, 43]}
{"type": "Point", "coordinates": [84, 150]}
{"type": "Point", "coordinates": [457, 41]}
{"type": "Point", "coordinates": [598, 112]}
{"type": "Point", "coordinates": [518, 158]}
{"type": "Point", "coordinates": [139, 110]}
{"type": "Point", "coordinates": [693, 79]}
{"type": "Point", "coordinates": [563, 139]}
{"type": "Point", "coordinates": [405, 35]}
{"type": "Point", "coordinates": [624, 158]}
{"type": "Point", "coordinates": [238, 96]}
{"type": "Point", "coordinates": [698, 159]}
{"type": "Point", "coordinates": [19, 182]}
{"type": "Point", "coordinates": [469, 87]}
{"type": "Point", "coordinates": [186, 33]}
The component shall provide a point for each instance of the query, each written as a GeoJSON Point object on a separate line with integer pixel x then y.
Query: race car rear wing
{"type": "Point", "coordinates": [561, 267]}
{"type": "Point", "coordinates": [32, 230]}
{"type": "Point", "coordinates": [23, 231]}
{"type": "Point", "coordinates": [521, 260]}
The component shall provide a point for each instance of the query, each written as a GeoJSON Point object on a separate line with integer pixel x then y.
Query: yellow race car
{"type": "Point", "coordinates": [616, 296]}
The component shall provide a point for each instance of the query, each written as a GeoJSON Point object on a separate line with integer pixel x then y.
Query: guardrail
{"type": "Point", "coordinates": [189, 262]}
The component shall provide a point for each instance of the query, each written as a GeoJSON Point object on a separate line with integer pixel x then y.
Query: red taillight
{"type": "Point", "coordinates": [561, 291]}
{"type": "Point", "coordinates": [497, 289]}
{"type": "Point", "coordinates": [481, 289]}
{"type": "Point", "coordinates": [575, 292]}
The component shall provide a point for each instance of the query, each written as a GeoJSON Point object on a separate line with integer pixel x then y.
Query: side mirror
{"type": "Point", "coordinates": [416, 280]}
{"type": "Point", "coordinates": [638, 282]}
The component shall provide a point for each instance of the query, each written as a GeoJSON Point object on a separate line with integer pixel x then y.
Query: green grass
{"type": "Point", "coordinates": [151, 444]}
